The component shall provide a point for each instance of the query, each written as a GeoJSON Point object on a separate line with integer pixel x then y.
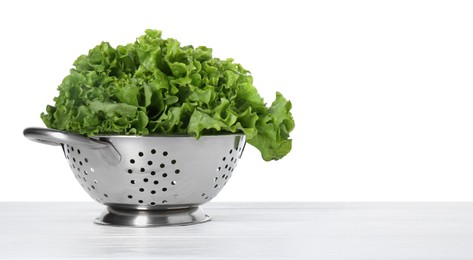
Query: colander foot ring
{"type": "Point", "coordinates": [151, 218]}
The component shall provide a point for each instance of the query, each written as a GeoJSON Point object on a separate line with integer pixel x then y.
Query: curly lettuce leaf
{"type": "Point", "coordinates": [157, 86]}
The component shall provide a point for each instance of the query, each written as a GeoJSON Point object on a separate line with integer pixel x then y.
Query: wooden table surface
{"type": "Point", "coordinates": [60, 230]}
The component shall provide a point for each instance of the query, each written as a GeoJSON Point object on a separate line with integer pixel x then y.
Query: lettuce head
{"type": "Point", "coordinates": [156, 86]}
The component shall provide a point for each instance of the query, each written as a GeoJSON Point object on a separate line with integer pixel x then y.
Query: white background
{"type": "Point", "coordinates": [382, 91]}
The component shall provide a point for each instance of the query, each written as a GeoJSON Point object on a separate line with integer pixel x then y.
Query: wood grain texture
{"type": "Point", "coordinates": [245, 231]}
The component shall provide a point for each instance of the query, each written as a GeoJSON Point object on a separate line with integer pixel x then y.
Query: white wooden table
{"type": "Point", "coordinates": [245, 231]}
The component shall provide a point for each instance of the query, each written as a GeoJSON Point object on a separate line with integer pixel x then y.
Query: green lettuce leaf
{"type": "Point", "coordinates": [157, 86]}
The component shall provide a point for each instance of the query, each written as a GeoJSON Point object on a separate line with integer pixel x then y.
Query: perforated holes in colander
{"type": "Point", "coordinates": [224, 170]}
{"type": "Point", "coordinates": [79, 163]}
{"type": "Point", "coordinates": [153, 167]}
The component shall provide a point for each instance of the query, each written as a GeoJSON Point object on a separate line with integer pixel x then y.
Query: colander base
{"type": "Point", "coordinates": [149, 218]}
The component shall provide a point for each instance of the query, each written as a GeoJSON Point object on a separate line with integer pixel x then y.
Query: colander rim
{"type": "Point", "coordinates": [164, 136]}
{"type": "Point", "coordinates": [160, 135]}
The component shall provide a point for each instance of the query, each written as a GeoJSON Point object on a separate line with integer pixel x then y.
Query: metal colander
{"type": "Point", "coordinates": [148, 180]}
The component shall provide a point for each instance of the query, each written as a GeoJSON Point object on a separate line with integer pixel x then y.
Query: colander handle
{"type": "Point", "coordinates": [56, 137]}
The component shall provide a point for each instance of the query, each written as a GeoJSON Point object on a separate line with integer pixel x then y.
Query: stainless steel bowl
{"type": "Point", "coordinates": [148, 180]}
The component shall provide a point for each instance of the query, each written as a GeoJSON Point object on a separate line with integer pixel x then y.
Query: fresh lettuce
{"type": "Point", "coordinates": [157, 86]}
